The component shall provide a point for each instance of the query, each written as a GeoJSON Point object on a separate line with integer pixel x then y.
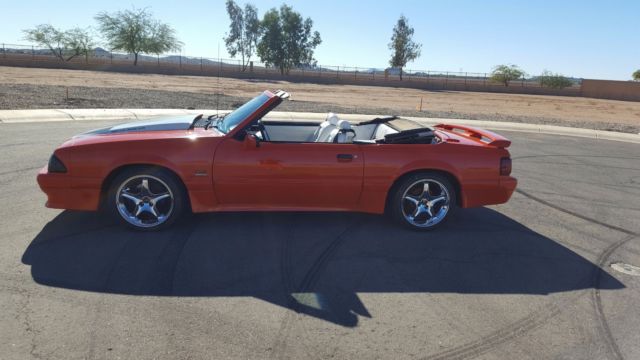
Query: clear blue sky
{"type": "Point", "coordinates": [588, 38]}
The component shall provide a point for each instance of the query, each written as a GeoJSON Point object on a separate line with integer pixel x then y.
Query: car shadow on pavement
{"type": "Point", "coordinates": [312, 263]}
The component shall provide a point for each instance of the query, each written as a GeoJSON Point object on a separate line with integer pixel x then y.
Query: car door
{"type": "Point", "coordinates": [287, 175]}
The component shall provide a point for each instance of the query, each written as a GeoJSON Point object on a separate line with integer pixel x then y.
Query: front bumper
{"type": "Point", "coordinates": [65, 192]}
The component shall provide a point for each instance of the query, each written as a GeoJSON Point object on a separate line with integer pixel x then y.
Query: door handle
{"type": "Point", "coordinates": [344, 157]}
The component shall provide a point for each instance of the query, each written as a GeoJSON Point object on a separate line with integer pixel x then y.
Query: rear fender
{"type": "Point", "coordinates": [438, 166]}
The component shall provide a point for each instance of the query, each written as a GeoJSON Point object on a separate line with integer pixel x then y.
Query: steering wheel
{"type": "Point", "coordinates": [263, 131]}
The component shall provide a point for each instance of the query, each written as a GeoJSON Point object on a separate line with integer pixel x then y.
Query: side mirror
{"type": "Point", "coordinates": [251, 141]}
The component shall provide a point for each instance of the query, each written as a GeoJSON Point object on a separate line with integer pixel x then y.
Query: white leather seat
{"type": "Point", "coordinates": [342, 134]}
{"type": "Point", "coordinates": [324, 130]}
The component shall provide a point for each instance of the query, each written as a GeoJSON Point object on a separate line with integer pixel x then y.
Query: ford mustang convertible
{"type": "Point", "coordinates": [149, 173]}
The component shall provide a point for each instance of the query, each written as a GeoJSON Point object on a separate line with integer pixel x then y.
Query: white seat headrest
{"type": "Point", "coordinates": [344, 125]}
{"type": "Point", "coordinates": [332, 118]}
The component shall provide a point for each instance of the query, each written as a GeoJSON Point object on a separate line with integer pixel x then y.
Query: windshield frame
{"type": "Point", "coordinates": [238, 116]}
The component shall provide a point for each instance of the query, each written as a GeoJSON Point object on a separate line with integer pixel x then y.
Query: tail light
{"type": "Point", "coordinates": [505, 166]}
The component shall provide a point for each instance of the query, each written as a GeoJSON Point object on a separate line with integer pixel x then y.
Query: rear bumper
{"type": "Point", "coordinates": [63, 192]}
{"type": "Point", "coordinates": [508, 185]}
{"type": "Point", "coordinates": [488, 192]}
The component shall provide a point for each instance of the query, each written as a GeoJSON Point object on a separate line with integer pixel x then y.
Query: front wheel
{"type": "Point", "coordinates": [423, 201]}
{"type": "Point", "coordinates": [146, 198]}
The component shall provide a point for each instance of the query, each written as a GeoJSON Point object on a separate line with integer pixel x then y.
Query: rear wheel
{"type": "Point", "coordinates": [146, 198]}
{"type": "Point", "coordinates": [423, 201]}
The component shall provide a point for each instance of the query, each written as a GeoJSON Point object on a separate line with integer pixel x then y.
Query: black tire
{"type": "Point", "coordinates": [402, 209]}
{"type": "Point", "coordinates": [120, 204]}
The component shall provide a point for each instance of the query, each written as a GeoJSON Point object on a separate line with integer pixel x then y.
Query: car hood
{"type": "Point", "coordinates": [147, 130]}
{"type": "Point", "coordinates": [159, 124]}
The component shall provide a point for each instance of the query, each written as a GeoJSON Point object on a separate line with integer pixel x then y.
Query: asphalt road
{"type": "Point", "coordinates": [526, 280]}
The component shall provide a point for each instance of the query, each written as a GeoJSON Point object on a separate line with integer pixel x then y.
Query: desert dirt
{"type": "Point", "coordinates": [40, 88]}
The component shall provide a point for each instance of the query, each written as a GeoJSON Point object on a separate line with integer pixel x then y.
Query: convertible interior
{"type": "Point", "coordinates": [336, 130]}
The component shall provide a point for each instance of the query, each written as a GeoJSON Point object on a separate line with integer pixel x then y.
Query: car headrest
{"type": "Point", "coordinates": [344, 125]}
{"type": "Point", "coordinates": [332, 118]}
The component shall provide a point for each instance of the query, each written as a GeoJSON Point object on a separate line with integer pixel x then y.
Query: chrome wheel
{"type": "Point", "coordinates": [425, 203]}
{"type": "Point", "coordinates": [144, 201]}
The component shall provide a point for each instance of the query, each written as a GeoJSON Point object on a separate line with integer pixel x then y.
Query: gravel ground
{"type": "Point", "coordinates": [29, 96]}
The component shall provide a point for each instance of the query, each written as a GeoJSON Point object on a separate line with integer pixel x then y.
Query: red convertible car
{"type": "Point", "coordinates": [149, 173]}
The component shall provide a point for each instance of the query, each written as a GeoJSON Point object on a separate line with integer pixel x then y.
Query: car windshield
{"type": "Point", "coordinates": [234, 118]}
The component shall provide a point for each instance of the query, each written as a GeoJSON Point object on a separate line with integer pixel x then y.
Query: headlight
{"type": "Point", "coordinates": [55, 165]}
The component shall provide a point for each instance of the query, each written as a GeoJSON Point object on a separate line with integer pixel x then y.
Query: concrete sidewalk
{"type": "Point", "coordinates": [50, 115]}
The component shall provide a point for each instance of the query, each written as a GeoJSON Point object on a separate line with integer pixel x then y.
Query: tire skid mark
{"type": "Point", "coordinates": [577, 156]}
{"type": "Point", "coordinates": [575, 214]}
{"type": "Point", "coordinates": [617, 187]}
{"type": "Point", "coordinates": [313, 275]}
{"type": "Point", "coordinates": [192, 226]}
{"type": "Point", "coordinates": [97, 323]}
{"type": "Point", "coordinates": [280, 345]}
{"type": "Point", "coordinates": [73, 234]}
{"type": "Point", "coordinates": [600, 166]}
{"type": "Point", "coordinates": [584, 198]}
{"type": "Point", "coordinates": [25, 311]}
{"type": "Point", "coordinates": [506, 334]}
{"type": "Point", "coordinates": [20, 170]}
{"type": "Point", "coordinates": [168, 261]}
{"type": "Point", "coordinates": [539, 317]}
{"type": "Point", "coordinates": [597, 300]}
{"type": "Point", "coordinates": [604, 328]}
{"type": "Point", "coordinates": [308, 281]}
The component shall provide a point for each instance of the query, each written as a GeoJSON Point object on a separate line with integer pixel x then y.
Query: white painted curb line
{"type": "Point", "coordinates": [24, 116]}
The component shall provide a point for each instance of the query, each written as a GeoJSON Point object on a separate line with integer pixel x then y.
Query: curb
{"type": "Point", "coordinates": [51, 115]}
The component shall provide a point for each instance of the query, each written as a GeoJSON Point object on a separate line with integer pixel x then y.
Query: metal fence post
{"type": "Point", "coordinates": [158, 55]}
{"type": "Point", "coordinates": [446, 79]}
{"type": "Point", "coordinates": [33, 53]}
{"type": "Point", "coordinates": [200, 64]}
{"type": "Point", "coordinates": [180, 61]}
{"type": "Point", "coordinates": [111, 57]}
{"type": "Point", "coordinates": [4, 51]}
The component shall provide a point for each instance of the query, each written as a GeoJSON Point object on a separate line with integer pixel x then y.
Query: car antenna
{"type": "Point", "coordinates": [218, 86]}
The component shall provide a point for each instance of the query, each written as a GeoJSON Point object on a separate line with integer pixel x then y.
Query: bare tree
{"type": "Point", "coordinates": [244, 31]}
{"type": "Point", "coordinates": [136, 31]}
{"type": "Point", "coordinates": [63, 44]}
